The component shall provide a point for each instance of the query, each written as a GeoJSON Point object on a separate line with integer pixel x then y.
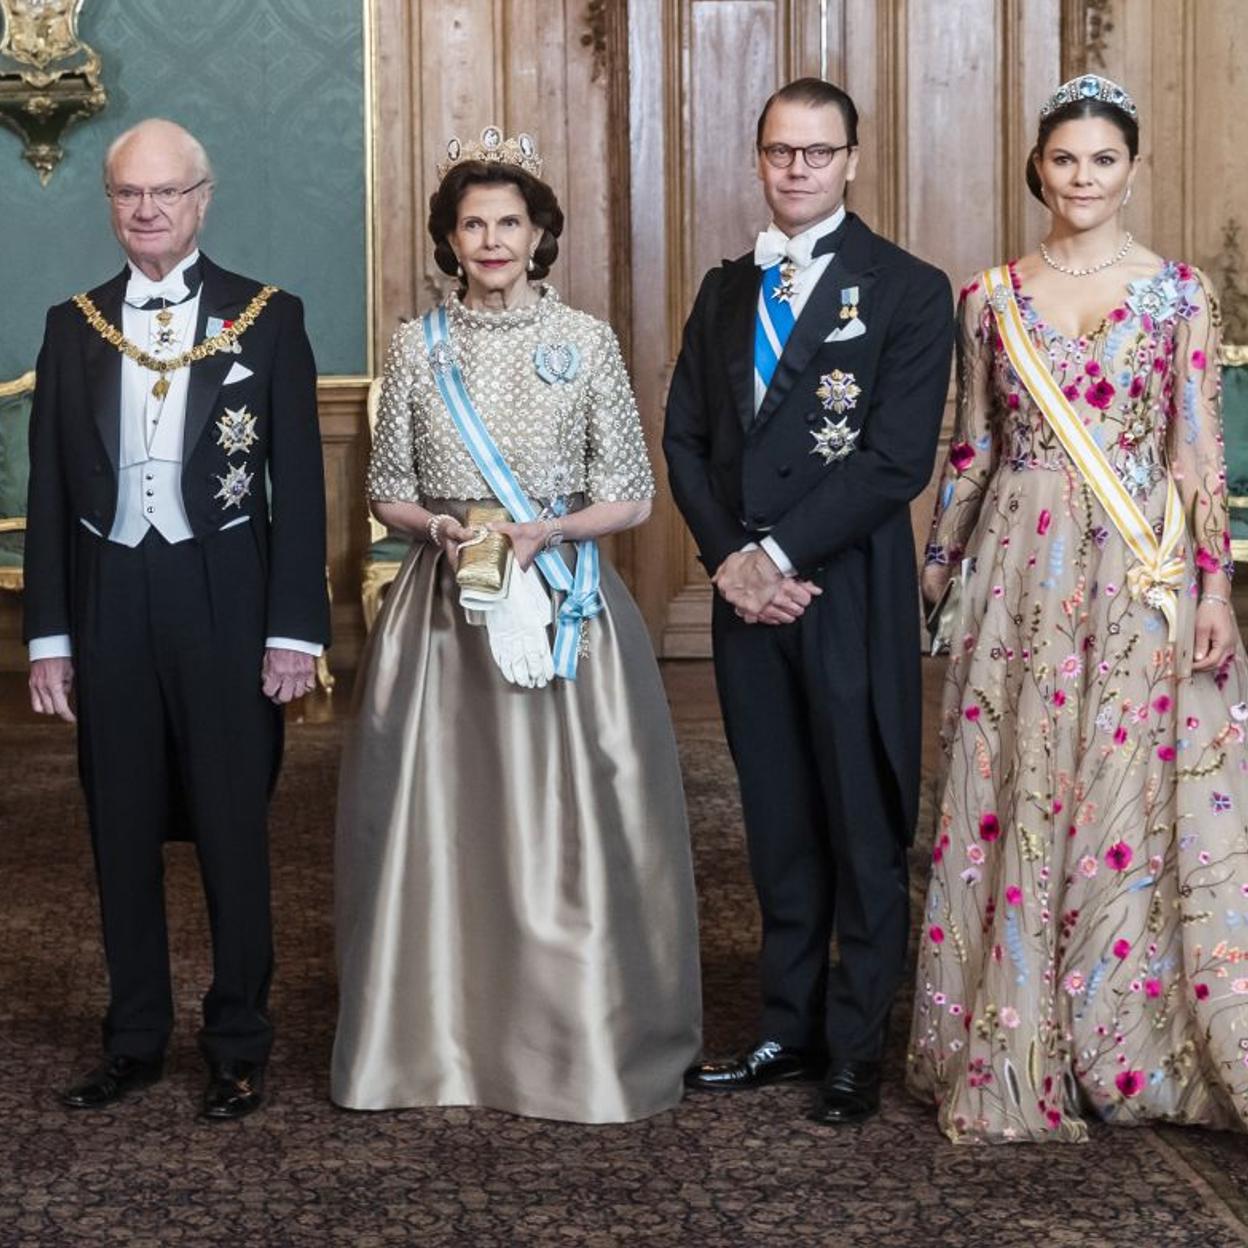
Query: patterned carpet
{"type": "Point", "coordinates": [732, 1171]}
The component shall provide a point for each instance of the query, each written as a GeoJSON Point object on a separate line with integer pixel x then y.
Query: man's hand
{"type": "Point", "coordinates": [287, 674]}
{"type": "Point", "coordinates": [755, 587]}
{"type": "Point", "coordinates": [50, 683]}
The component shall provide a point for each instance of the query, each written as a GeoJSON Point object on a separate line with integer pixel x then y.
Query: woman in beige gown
{"type": "Point", "coordinates": [1084, 945]}
{"type": "Point", "coordinates": [515, 904]}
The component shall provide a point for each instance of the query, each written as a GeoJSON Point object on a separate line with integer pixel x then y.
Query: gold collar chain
{"type": "Point", "coordinates": [210, 346]}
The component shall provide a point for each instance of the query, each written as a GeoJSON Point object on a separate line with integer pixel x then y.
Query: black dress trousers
{"type": "Point", "coordinates": [824, 826]}
{"type": "Point", "coordinates": [176, 740]}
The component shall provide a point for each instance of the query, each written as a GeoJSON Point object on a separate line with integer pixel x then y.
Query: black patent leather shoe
{"type": "Point", "coordinates": [110, 1082]}
{"type": "Point", "coordinates": [235, 1089]}
{"type": "Point", "coordinates": [850, 1093]}
{"type": "Point", "coordinates": [768, 1062]}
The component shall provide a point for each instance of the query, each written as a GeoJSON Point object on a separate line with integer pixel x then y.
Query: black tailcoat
{"type": "Point", "coordinates": [841, 687]}
{"type": "Point", "coordinates": [175, 737]}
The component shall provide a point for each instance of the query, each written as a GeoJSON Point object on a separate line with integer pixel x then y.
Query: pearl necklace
{"type": "Point", "coordinates": [1094, 268]}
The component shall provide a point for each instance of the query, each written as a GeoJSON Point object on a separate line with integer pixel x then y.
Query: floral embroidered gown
{"type": "Point", "coordinates": [1084, 947]}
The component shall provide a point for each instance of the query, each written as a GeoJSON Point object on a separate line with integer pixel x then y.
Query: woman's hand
{"type": "Point", "coordinates": [933, 579]}
{"type": "Point", "coordinates": [527, 539]}
{"type": "Point", "coordinates": [451, 536]}
{"type": "Point", "coordinates": [1215, 634]}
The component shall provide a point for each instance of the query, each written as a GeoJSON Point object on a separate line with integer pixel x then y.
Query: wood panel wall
{"type": "Point", "coordinates": [645, 113]}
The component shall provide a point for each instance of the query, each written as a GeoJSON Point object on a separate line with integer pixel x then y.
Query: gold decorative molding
{"type": "Point", "coordinates": [19, 385]}
{"type": "Point", "coordinates": [1097, 26]}
{"type": "Point", "coordinates": [1232, 292]}
{"type": "Point", "coordinates": [49, 78]}
{"type": "Point", "coordinates": [1233, 355]}
{"type": "Point", "coordinates": [596, 20]}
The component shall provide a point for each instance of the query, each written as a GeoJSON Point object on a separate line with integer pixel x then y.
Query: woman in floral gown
{"type": "Point", "coordinates": [1084, 947]}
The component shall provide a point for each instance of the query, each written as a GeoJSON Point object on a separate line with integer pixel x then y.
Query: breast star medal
{"type": "Point", "coordinates": [556, 362]}
{"type": "Point", "coordinates": [785, 292]}
{"type": "Point", "coordinates": [838, 391]}
{"type": "Point", "coordinates": [236, 430]}
{"type": "Point", "coordinates": [835, 440]}
{"type": "Point", "coordinates": [235, 486]}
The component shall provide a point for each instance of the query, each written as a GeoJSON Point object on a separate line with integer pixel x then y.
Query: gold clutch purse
{"type": "Point", "coordinates": [483, 562]}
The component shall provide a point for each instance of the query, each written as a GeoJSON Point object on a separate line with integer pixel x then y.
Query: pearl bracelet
{"type": "Point", "coordinates": [434, 528]}
{"type": "Point", "coordinates": [1215, 598]}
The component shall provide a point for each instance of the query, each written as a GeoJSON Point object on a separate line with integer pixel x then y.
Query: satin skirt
{"type": "Point", "coordinates": [515, 907]}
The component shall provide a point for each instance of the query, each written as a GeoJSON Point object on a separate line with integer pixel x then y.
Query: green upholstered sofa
{"type": "Point", "coordinates": [1235, 433]}
{"type": "Point", "coordinates": [386, 550]}
{"type": "Point", "coordinates": [15, 400]}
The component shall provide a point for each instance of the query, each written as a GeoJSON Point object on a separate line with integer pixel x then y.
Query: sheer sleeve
{"type": "Point", "coordinates": [617, 468]}
{"type": "Point", "coordinates": [392, 476]}
{"type": "Point", "coordinates": [1195, 422]}
{"type": "Point", "coordinates": [973, 450]}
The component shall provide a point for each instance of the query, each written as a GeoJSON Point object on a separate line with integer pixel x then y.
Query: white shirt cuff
{"type": "Point", "coordinates": [778, 557]}
{"type": "Point", "coordinates": [58, 647]}
{"type": "Point", "coordinates": [314, 648]}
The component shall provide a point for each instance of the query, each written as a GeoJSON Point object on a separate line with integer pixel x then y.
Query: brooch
{"type": "Point", "coordinates": [235, 486]}
{"type": "Point", "coordinates": [1000, 300]}
{"type": "Point", "coordinates": [838, 391]}
{"type": "Point", "coordinates": [236, 430]}
{"type": "Point", "coordinates": [556, 362]}
{"type": "Point", "coordinates": [834, 441]}
{"type": "Point", "coordinates": [442, 357]}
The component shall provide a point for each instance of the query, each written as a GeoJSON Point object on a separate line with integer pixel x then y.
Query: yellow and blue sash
{"type": "Point", "coordinates": [582, 600]}
{"type": "Point", "coordinates": [1158, 576]}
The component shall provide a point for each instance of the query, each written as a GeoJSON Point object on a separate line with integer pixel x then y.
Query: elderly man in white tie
{"type": "Point", "coordinates": [802, 419]}
{"type": "Point", "coordinates": [175, 592]}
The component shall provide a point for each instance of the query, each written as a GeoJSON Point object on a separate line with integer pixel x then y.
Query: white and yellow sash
{"type": "Point", "coordinates": [1158, 576]}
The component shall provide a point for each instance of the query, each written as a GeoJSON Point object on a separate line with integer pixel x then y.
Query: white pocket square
{"type": "Point", "coordinates": [237, 373]}
{"type": "Point", "coordinates": [851, 329]}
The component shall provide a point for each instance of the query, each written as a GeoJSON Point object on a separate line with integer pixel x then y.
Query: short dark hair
{"type": "Point", "coordinates": [817, 94]}
{"type": "Point", "coordinates": [539, 199]}
{"type": "Point", "coordinates": [1077, 110]}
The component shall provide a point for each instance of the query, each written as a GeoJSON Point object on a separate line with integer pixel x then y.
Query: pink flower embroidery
{"type": "Point", "coordinates": [961, 456]}
{"type": "Point", "coordinates": [1130, 1082]}
{"type": "Point", "coordinates": [1161, 703]}
{"type": "Point", "coordinates": [1092, 368]}
{"type": "Point", "coordinates": [1118, 315]}
{"type": "Point", "coordinates": [1207, 562]}
{"type": "Point", "coordinates": [1014, 895]}
{"type": "Point", "coordinates": [936, 934]}
{"type": "Point", "coordinates": [1121, 948]}
{"type": "Point", "coordinates": [1198, 359]}
{"type": "Point", "coordinates": [1201, 991]}
{"type": "Point", "coordinates": [1137, 387]}
{"type": "Point", "coordinates": [1042, 524]}
{"type": "Point", "coordinates": [989, 826]}
{"type": "Point", "coordinates": [1152, 987]}
{"type": "Point", "coordinates": [1087, 866]}
{"type": "Point", "coordinates": [1165, 753]}
{"type": "Point", "coordinates": [1101, 394]}
{"type": "Point", "coordinates": [1012, 401]}
{"type": "Point", "coordinates": [1118, 856]}
{"type": "Point", "coordinates": [971, 713]}
{"type": "Point", "coordinates": [1071, 391]}
{"type": "Point", "coordinates": [1120, 735]}
{"type": "Point", "coordinates": [1059, 697]}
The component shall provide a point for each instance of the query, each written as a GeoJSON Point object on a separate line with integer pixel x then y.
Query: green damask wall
{"type": "Point", "coordinates": [274, 89]}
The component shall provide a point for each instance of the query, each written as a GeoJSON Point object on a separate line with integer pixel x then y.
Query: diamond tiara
{"type": "Point", "coordinates": [1090, 87]}
{"type": "Point", "coordinates": [520, 151]}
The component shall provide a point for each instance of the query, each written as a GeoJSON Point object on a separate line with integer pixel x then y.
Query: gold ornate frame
{"type": "Point", "coordinates": [14, 579]}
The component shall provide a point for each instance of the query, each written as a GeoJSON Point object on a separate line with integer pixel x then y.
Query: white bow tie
{"type": "Point", "coordinates": [171, 288]}
{"type": "Point", "coordinates": [774, 247]}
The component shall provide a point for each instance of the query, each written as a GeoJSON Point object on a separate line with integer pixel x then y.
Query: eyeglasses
{"type": "Point", "coordinates": [816, 155]}
{"type": "Point", "coordinates": [164, 196]}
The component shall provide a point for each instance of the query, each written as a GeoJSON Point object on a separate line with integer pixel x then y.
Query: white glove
{"type": "Point", "coordinates": [517, 628]}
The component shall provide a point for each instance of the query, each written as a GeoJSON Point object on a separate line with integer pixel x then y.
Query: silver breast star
{"type": "Point", "coordinates": [835, 440]}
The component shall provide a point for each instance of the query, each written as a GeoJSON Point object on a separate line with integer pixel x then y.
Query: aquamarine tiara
{"type": "Point", "coordinates": [1090, 87]}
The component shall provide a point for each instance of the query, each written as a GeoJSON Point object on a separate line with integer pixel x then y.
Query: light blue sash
{"type": "Point", "coordinates": [582, 600]}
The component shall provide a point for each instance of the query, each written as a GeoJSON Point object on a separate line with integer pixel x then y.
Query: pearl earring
{"type": "Point", "coordinates": [532, 265]}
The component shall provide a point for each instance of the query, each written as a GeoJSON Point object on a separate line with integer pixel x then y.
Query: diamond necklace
{"type": "Point", "coordinates": [1093, 268]}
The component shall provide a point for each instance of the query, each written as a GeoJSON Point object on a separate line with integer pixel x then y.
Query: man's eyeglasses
{"type": "Point", "coordinates": [816, 155]}
{"type": "Point", "coordinates": [164, 196]}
